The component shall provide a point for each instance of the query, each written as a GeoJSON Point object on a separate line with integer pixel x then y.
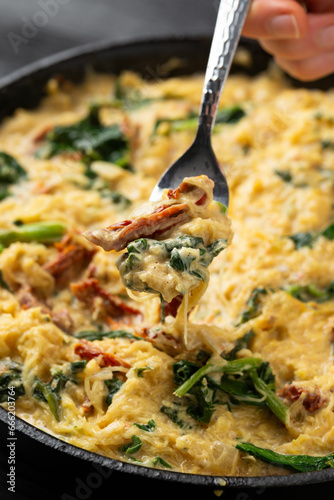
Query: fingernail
{"type": "Point", "coordinates": [283, 26]}
{"type": "Point", "coordinates": [325, 37]}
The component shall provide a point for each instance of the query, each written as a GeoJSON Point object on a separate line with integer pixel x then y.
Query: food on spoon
{"type": "Point", "coordinates": [171, 243]}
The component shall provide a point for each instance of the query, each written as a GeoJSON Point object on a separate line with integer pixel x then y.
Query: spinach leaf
{"type": "Point", "coordinates": [328, 232]}
{"type": "Point", "coordinates": [90, 138]}
{"type": "Point", "coordinates": [105, 191]}
{"type": "Point", "coordinates": [308, 238]}
{"type": "Point", "coordinates": [50, 392]}
{"type": "Point", "coordinates": [133, 447]}
{"type": "Point", "coordinates": [44, 392]}
{"type": "Point", "coordinates": [129, 98]}
{"type": "Point", "coordinates": [217, 246]}
{"type": "Point", "coordinates": [285, 175]}
{"type": "Point", "coordinates": [10, 170]}
{"type": "Point", "coordinates": [240, 390]}
{"type": "Point", "coordinates": [190, 122]}
{"type": "Point", "coordinates": [253, 305]}
{"type": "Point", "coordinates": [202, 403]}
{"type": "Point", "coordinates": [58, 382]}
{"type": "Point", "coordinates": [3, 284]}
{"type": "Point", "coordinates": [264, 384]}
{"type": "Point", "coordinates": [4, 192]}
{"type": "Point", "coordinates": [242, 343]}
{"type": "Point", "coordinates": [113, 386]}
{"type": "Point", "coordinates": [303, 239]}
{"type": "Point", "coordinates": [248, 380]}
{"type": "Point", "coordinates": [149, 427]}
{"type": "Point", "coordinates": [183, 253]}
{"type": "Point", "coordinates": [140, 370]}
{"type": "Point", "coordinates": [10, 377]}
{"type": "Point", "coordinates": [115, 197]}
{"type": "Point", "coordinates": [301, 463]}
{"type": "Point", "coordinates": [183, 370]}
{"type": "Point", "coordinates": [181, 259]}
{"type": "Point", "coordinates": [307, 293]}
{"type": "Point", "coordinates": [327, 144]}
{"type": "Point", "coordinates": [230, 115]}
{"type": "Point", "coordinates": [161, 461]}
{"type": "Point", "coordinates": [173, 414]}
{"type": "Point", "coordinates": [78, 366]}
{"type": "Point", "coordinates": [98, 335]}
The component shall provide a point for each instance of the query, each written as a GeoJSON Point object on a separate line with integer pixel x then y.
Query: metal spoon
{"type": "Point", "coordinates": [200, 158]}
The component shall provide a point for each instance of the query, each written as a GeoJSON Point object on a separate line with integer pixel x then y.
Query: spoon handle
{"type": "Point", "coordinates": [230, 20]}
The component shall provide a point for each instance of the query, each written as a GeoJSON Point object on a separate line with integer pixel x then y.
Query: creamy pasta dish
{"type": "Point", "coordinates": [171, 335]}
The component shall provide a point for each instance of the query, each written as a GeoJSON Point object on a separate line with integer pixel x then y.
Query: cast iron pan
{"type": "Point", "coordinates": [48, 468]}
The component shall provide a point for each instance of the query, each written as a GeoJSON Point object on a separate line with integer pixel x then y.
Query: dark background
{"type": "Point", "coordinates": [79, 22]}
{"type": "Point", "coordinates": [43, 473]}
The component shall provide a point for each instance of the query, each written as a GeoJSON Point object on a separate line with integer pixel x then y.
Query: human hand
{"type": "Point", "coordinates": [301, 42]}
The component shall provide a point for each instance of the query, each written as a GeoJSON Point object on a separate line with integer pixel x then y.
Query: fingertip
{"type": "Point", "coordinates": [308, 70]}
{"type": "Point", "coordinates": [277, 19]}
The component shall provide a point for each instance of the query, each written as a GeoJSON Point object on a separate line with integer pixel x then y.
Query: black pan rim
{"type": "Point", "coordinates": [236, 482]}
{"type": "Point", "coordinates": [89, 50]}
{"type": "Point", "coordinates": [43, 68]}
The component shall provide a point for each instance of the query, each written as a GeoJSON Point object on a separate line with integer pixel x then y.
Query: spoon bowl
{"type": "Point", "coordinates": [197, 160]}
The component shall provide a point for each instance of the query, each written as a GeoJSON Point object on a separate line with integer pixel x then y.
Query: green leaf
{"type": "Point", "coordinates": [327, 144]}
{"type": "Point", "coordinates": [285, 175]}
{"type": "Point", "coordinates": [184, 241]}
{"type": "Point", "coordinates": [242, 343]}
{"type": "Point", "coordinates": [183, 370]}
{"type": "Point", "coordinates": [303, 239]}
{"type": "Point", "coordinates": [217, 246]}
{"type": "Point", "coordinates": [90, 138]}
{"type": "Point", "coordinates": [10, 170]}
{"type": "Point", "coordinates": [44, 392]}
{"type": "Point", "coordinates": [10, 380]}
{"type": "Point", "coordinates": [140, 370]}
{"type": "Point", "coordinates": [98, 335]}
{"type": "Point", "coordinates": [328, 232]}
{"type": "Point", "coordinates": [137, 246]}
{"type": "Point", "coordinates": [78, 366]}
{"type": "Point", "coordinates": [4, 192]}
{"type": "Point", "coordinates": [116, 198]}
{"type": "Point", "coordinates": [149, 427]}
{"type": "Point", "coordinates": [113, 386]}
{"type": "Point", "coordinates": [129, 98]}
{"type": "Point", "coordinates": [254, 385]}
{"type": "Point", "coordinates": [58, 382]}
{"type": "Point", "coordinates": [159, 460]}
{"type": "Point", "coordinates": [301, 463]}
{"type": "Point", "coordinates": [173, 414]}
{"type": "Point", "coordinates": [234, 366]}
{"type": "Point", "coordinates": [252, 305]}
{"type": "Point", "coordinates": [273, 402]}
{"type": "Point", "coordinates": [202, 403]}
{"type": "Point", "coordinates": [308, 293]}
{"type": "Point", "coordinates": [133, 447]}
{"type": "Point", "coordinates": [231, 114]}
{"type": "Point", "coordinates": [3, 284]}
{"type": "Point", "coordinates": [308, 238]}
